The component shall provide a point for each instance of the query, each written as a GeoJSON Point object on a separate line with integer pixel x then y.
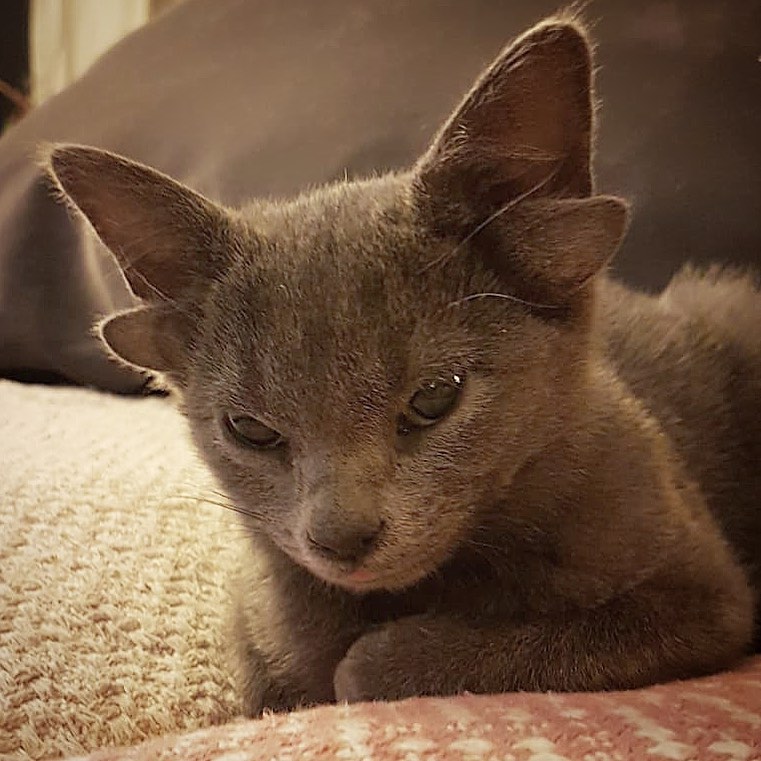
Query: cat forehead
{"type": "Point", "coordinates": [346, 255]}
{"type": "Point", "coordinates": [323, 295]}
{"type": "Point", "coordinates": [335, 220]}
{"type": "Point", "coordinates": [345, 258]}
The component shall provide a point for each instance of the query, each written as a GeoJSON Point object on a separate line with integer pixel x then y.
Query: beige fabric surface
{"type": "Point", "coordinates": [112, 583]}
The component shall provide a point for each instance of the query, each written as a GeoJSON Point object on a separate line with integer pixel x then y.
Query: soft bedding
{"type": "Point", "coordinates": [716, 719]}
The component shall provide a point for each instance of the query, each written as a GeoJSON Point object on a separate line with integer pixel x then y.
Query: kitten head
{"type": "Point", "coordinates": [366, 366]}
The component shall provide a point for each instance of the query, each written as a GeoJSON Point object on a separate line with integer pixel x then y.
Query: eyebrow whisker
{"type": "Point", "coordinates": [506, 296]}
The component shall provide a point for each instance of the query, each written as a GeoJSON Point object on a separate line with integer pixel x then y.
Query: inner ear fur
{"type": "Point", "coordinates": [523, 131]}
{"type": "Point", "coordinates": [168, 239]}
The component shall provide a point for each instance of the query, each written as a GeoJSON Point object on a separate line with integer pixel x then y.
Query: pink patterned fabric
{"type": "Point", "coordinates": [716, 719]}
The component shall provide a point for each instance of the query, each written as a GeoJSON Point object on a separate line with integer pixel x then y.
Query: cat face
{"type": "Point", "coordinates": [366, 366]}
{"type": "Point", "coordinates": [384, 404]}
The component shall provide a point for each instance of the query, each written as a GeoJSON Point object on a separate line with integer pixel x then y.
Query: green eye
{"type": "Point", "coordinates": [249, 432]}
{"type": "Point", "coordinates": [434, 400]}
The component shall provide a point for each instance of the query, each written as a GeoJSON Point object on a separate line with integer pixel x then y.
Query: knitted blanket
{"type": "Point", "coordinates": [112, 574]}
{"type": "Point", "coordinates": [716, 719]}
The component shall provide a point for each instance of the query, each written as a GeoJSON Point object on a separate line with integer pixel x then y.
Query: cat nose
{"type": "Point", "coordinates": [347, 542]}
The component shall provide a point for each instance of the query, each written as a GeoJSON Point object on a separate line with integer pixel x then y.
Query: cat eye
{"type": "Point", "coordinates": [250, 432]}
{"type": "Point", "coordinates": [434, 400]}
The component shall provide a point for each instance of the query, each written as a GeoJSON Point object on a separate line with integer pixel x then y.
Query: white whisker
{"type": "Point", "coordinates": [507, 297]}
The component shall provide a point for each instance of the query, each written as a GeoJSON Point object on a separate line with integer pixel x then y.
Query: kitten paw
{"type": "Point", "coordinates": [361, 675]}
{"type": "Point", "coordinates": [348, 683]}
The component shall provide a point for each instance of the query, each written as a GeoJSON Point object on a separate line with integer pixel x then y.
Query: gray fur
{"type": "Point", "coordinates": [585, 518]}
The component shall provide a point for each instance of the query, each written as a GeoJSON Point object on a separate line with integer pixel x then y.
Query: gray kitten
{"type": "Point", "coordinates": [467, 459]}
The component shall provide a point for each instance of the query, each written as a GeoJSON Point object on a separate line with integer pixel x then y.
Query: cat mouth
{"type": "Point", "coordinates": [354, 579]}
{"type": "Point", "coordinates": [364, 579]}
{"type": "Point", "coordinates": [361, 576]}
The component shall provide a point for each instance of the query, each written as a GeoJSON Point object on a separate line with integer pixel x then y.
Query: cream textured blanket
{"type": "Point", "coordinates": [112, 574]}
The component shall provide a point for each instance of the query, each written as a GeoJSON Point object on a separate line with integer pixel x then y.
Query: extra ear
{"type": "Point", "coordinates": [152, 338]}
{"type": "Point", "coordinates": [524, 130]}
{"type": "Point", "coordinates": [167, 238]}
{"type": "Point", "coordinates": [562, 244]}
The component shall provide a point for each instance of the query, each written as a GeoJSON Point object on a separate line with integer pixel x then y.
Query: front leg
{"type": "Point", "coordinates": [289, 631]}
{"type": "Point", "coordinates": [662, 630]}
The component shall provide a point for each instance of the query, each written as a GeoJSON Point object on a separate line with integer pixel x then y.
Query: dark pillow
{"type": "Point", "coordinates": [266, 97]}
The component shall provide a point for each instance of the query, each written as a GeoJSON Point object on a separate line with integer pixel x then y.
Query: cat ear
{"type": "Point", "coordinates": [150, 338]}
{"type": "Point", "coordinates": [561, 244]}
{"type": "Point", "coordinates": [524, 130]}
{"type": "Point", "coordinates": [167, 238]}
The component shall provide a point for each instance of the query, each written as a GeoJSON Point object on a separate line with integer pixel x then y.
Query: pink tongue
{"type": "Point", "coordinates": [361, 575]}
